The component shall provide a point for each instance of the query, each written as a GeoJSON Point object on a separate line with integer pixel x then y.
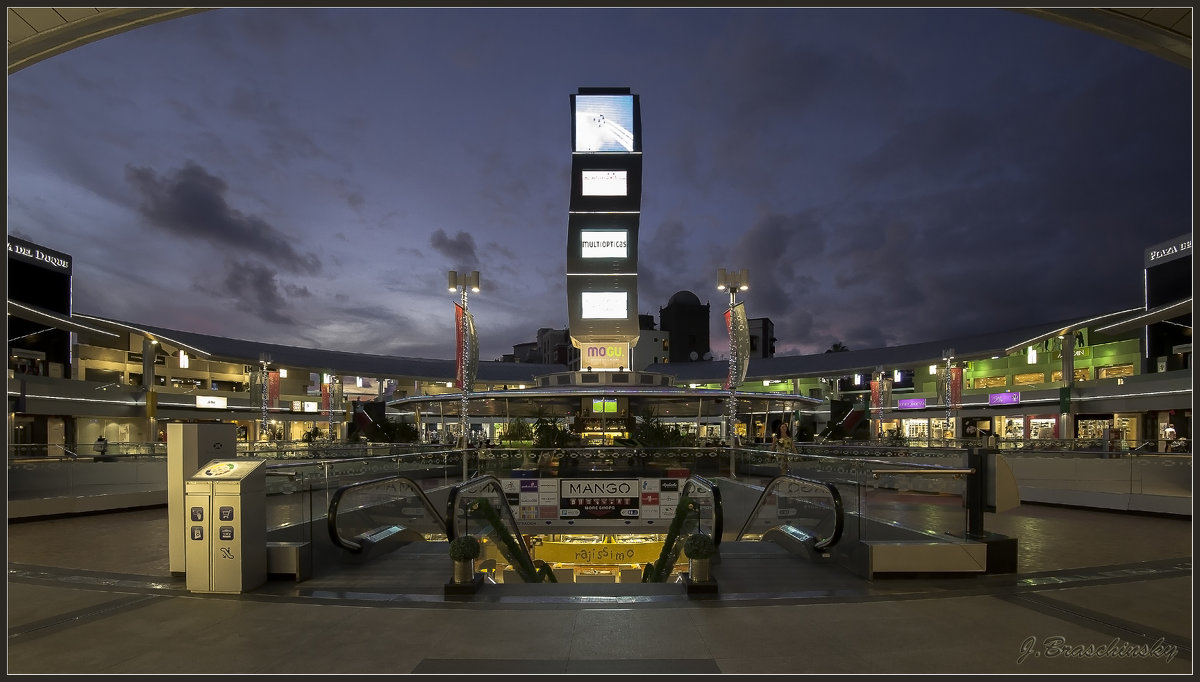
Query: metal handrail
{"type": "Point", "coordinates": [931, 472]}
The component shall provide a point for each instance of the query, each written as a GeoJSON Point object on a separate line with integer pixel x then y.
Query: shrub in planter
{"type": "Point", "coordinates": [464, 548]}
{"type": "Point", "coordinates": [700, 549]}
{"type": "Point", "coordinates": [699, 546]}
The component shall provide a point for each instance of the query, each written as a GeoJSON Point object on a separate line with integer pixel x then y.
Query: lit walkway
{"type": "Point", "coordinates": [94, 594]}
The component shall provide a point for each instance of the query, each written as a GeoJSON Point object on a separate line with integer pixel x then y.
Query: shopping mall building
{"type": "Point", "coordinates": [1121, 377]}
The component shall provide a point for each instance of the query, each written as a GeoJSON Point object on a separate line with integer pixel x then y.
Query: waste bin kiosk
{"type": "Point", "coordinates": [226, 550]}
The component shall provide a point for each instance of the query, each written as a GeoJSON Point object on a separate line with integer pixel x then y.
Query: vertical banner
{"type": "Point", "coordinates": [472, 352]}
{"type": "Point", "coordinates": [273, 389]}
{"type": "Point", "coordinates": [464, 375]}
{"type": "Point", "coordinates": [458, 346]}
{"type": "Point", "coordinates": [739, 344]}
{"type": "Point", "coordinates": [956, 385]}
{"type": "Point", "coordinates": [325, 397]}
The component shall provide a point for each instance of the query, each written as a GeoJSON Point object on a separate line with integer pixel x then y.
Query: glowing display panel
{"type": "Point", "coordinates": [604, 305]}
{"type": "Point", "coordinates": [603, 243]}
{"type": "Point", "coordinates": [604, 123]}
{"type": "Point", "coordinates": [604, 183]}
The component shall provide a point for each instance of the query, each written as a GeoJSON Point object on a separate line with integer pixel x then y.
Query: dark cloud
{"type": "Point", "coordinates": [254, 288]}
{"type": "Point", "coordinates": [460, 249]}
{"type": "Point", "coordinates": [887, 176]}
{"type": "Point", "coordinates": [189, 203]}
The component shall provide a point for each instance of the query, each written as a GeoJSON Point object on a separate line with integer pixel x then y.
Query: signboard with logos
{"type": "Point", "coordinates": [583, 500]}
{"type": "Point", "coordinates": [212, 402]}
{"type": "Point", "coordinates": [910, 404]}
{"type": "Point", "coordinates": [1009, 398]}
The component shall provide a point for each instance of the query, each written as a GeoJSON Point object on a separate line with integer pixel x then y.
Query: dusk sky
{"type": "Point", "coordinates": [888, 176]}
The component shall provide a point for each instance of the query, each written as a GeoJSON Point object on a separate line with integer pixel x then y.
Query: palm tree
{"type": "Point", "coordinates": [837, 347]}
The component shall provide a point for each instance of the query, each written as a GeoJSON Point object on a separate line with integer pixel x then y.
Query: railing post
{"type": "Point", "coordinates": [976, 493]}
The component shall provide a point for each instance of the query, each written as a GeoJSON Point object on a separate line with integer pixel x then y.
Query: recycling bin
{"type": "Point", "coordinates": [226, 549]}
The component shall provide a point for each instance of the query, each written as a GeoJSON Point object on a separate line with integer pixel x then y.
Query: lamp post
{"type": "Point", "coordinates": [461, 282]}
{"type": "Point", "coordinates": [948, 356]}
{"type": "Point", "coordinates": [264, 359]}
{"type": "Point", "coordinates": [732, 282]}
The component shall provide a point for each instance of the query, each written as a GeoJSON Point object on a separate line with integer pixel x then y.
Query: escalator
{"type": "Point", "coordinates": [803, 515]}
{"type": "Point", "coordinates": [846, 422]}
{"type": "Point", "coordinates": [370, 518]}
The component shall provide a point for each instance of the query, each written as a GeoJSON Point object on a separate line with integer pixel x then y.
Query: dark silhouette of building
{"type": "Point", "coordinates": [688, 322]}
{"type": "Point", "coordinates": [762, 337]}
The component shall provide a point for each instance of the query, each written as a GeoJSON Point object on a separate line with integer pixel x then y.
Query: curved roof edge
{"type": "Point", "coordinates": [976, 347]}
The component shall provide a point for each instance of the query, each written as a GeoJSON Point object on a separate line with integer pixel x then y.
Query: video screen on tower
{"type": "Point", "coordinates": [603, 243]}
{"type": "Point", "coordinates": [605, 123]}
{"type": "Point", "coordinates": [604, 305]}
{"type": "Point", "coordinates": [604, 183]}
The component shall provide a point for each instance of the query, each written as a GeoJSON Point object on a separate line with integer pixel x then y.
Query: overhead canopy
{"type": "Point", "coordinates": [1162, 313]}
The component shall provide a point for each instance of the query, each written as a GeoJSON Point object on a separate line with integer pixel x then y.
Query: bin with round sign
{"type": "Point", "coordinates": [226, 549]}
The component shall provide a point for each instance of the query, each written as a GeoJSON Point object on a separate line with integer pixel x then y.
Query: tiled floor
{"type": "Point", "coordinates": [1096, 592]}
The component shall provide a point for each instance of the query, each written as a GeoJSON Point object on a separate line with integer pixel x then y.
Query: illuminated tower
{"type": "Point", "coordinates": [602, 226]}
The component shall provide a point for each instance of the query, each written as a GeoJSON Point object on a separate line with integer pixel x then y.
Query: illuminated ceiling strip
{"type": "Point", "coordinates": [1069, 328]}
{"type": "Point", "coordinates": [577, 212]}
{"type": "Point", "coordinates": [1154, 315]}
{"type": "Point", "coordinates": [601, 274]}
{"type": "Point", "coordinates": [42, 314]}
{"type": "Point", "coordinates": [147, 333]}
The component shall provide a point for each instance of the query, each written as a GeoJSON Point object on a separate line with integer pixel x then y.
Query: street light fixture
{"type": "Point", "coordinates": [733, 282]}
{"type": "Point", "coordinates": [461, 282]}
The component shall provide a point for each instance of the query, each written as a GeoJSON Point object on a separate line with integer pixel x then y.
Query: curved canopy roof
{"type": "Point", "coordinates": [37, 33]}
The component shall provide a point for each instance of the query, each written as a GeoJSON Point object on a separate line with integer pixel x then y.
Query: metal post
{"type": "Point", "coordinates": [731, 408]}
{"type": "Point", "coordinates": [976, 492]}
{"type": "Point", "coordinates": [263, 359]}
{"type": "Point", "coordinates": [464, 351]}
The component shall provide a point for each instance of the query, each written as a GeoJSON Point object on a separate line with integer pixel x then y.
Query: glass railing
{"type": "Point", "coordinates": [709, 516]}
{"type": "Point", "coordinates": [805, 509]}
{"type": "Point", "coordinates": [885, 494]}
{"type": "Point", "coordinates": [479, 507]}
{"type": "Point", "coordinates": [383, 512]}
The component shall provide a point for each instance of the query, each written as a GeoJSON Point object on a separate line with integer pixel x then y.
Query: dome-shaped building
{"type": "Point", "coordinates": [687, 319]}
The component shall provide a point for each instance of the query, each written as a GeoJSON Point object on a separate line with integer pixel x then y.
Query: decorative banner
{"type": "Point", "coordinates": [739, 344]}
{"type": "Point", "coordinates": [956, 385]}
{"type": "Point", "coordinates": [324, 397]}
{"type": "Point", "coordinates": [472, 351]}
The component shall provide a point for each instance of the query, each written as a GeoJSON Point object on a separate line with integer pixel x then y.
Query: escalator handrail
{"type": "Point", "coordinates": [504, 512]}
{"type": "Point", "coordinates": [838, 509]}
{"type": "Point", "coordinates": [452, 501]}
{"type": "Point", "coordinates": [697, 481]}
{"type": "Point", "coordinates": [335, 502]}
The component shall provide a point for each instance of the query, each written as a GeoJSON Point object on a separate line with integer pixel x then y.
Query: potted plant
{"type": "Point", "coordinates": [700, 550]}
{"type": "Point", "coordinates": [464, 550]}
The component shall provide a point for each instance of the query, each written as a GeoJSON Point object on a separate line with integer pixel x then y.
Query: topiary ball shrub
{"type": "Point", "coordinates": [699, 546]}
{"type": "Point", "coordinates": [464, 548]}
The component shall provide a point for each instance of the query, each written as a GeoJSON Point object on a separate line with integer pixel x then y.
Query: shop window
{"type": "Point", "coordinates": [991, 382]}
{"type": "Point", "coordinates": [1029, 378]}
{"type": "Point", "coordinates": [1083, 374]}
{"type": "Point", "coordinates": [1114, 371]}
{"type": "Point", "coordinates": [1041, 428]}
{"type": "Point", "coordinates": [1012, 428]}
